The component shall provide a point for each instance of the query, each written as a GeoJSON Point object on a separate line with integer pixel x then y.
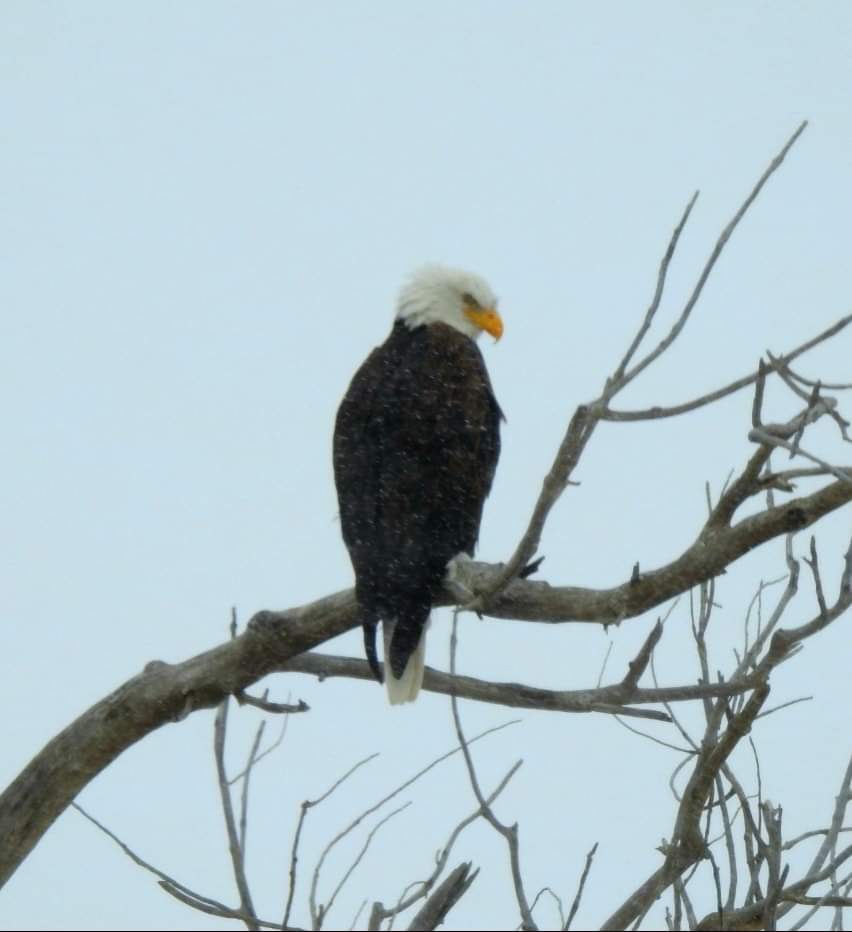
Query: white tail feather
{"type": "Point", "coordinates": [407, 687]}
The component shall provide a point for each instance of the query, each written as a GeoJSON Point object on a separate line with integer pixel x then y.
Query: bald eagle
{"type": "Point", "coordinates": [416, 443]}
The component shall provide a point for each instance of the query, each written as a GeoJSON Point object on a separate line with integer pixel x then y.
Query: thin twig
{"type": "Point", "coordinates": [644, 734]}
{"type": "Point", "coordinates": [312, 899]}
{"type": "Point", "coordinates": [357, 915]}
{"type": "Point", "coordinates": [305, 807]}
{"type": "Point", "coordinates": [688, 844]}
{"type": "Point", "coordinates": [276, 708]}
{"type": "Point", "coordinates": [785, 705]}
{"type": "Point", "coordinates": [813, 833]}
{"type": "Point", "coordinates": [406, 901]}
{"type": "Point", "coordinates": [590, 856]}
{"type": "Point", "coordinates": [264, 753]}
{"type": "Point", "coordinates": [658, 412]}
{"type": "Point", "coordinates": [325, 908]}
{"type": "Point", "coordinates": [234, 847]}
{"type": "Point", "coordinates": [714, 256]}
{"type": "Point", "coordinates": [658, 291]}
{"type": "Point", "coordinates": [639, 664]}
{"type": "Point", "coordinates": [556, 899]}
{"type": "Point", "coordinates": [172, 886]}
{"type": "Point", "coordinates": [509, 833]}
{"type": "Point", "coordinates": [762, 436]}
{"type": "Point", "coordinates": [244, 796]}
{"type": "Point", "coordinates": [222, 912]}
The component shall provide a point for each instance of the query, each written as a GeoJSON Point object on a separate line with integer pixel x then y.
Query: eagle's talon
{"type": "Point", "coordinates": [530, 568]}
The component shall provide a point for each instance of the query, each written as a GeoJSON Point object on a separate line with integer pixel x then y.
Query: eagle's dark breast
{"type": "Point", "coordinates": [416, 444]}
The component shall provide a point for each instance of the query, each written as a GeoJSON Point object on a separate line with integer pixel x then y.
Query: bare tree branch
{"type": "Point", "coordinates": [277, 708]}
{"type": "Point", "coordinates": [444, 898]}
{"type": "Point", "coordinates": [164, 692]}
{"type": "Point", "coordinates": [763, 910]}
{"type": "Point", "coordinates": [234, 847]}
{"type": "Point", "coordinates": [581, 887]}
{"type": "Point", "coordinates": [283, 641]}
{"type": "Point", "coordinates": [749, 917]}
{"type": "Point", "coordinates": [317, 912]}
{"type": "Point", "coordinates": [323, 910]}
{"type": "Point", "coordinates": [557, 900]}
{"type": "Point", "coordinates": [811, 834]}
{"type": "Point", "coordinates": [307, 805]}
{"type": "Point", "coordinates": [658, 412]}
{"type": "Point", "coordinates": [379, 913]}
{"type": "Point", "coordinates": [688, 845]}
{"type": "Point", "coordinates": [509, 832]}
{"type": "Point", "coordinates": [714, 256]}
{"type": "Point", "coordinates": [174, 887]}
{"type": "Point", "coordinates": [221, 912]}
{"type": "Point", "coordinates": [618, 375]}
{"type": "Point", "coordinates": [586, 417]}
{"type": "Point", "coordinates": [244, 794]}
{"type": "Point", "coordinates": [762, 436]}
{"type": "Point", "coordinates": [610, 700]}
{"type": "Point", "coordinates": [264, 753]}
{"type": "Point", "coordinates": [785, 640]}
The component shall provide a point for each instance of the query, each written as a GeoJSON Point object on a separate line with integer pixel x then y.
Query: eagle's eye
{"type": "Point", "coordinates": [469, 299]}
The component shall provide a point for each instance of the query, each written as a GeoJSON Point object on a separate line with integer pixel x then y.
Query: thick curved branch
{"type": "Point", "coordinates": [162, 693]}
{"type": "Point", "coordinates": [713, 551]}
{"type": "Point", "coordinates": [165, 693]}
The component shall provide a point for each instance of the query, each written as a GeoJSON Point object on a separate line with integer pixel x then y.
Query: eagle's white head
{"type": "Point", "coordinates": [440, 294]}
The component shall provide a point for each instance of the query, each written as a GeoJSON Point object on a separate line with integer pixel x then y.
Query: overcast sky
{"type": "Point", "coordinates": [207, 211]}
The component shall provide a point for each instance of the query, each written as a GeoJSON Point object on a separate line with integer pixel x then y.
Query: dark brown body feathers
{"type": "Point", "coordinates": [416, 444]}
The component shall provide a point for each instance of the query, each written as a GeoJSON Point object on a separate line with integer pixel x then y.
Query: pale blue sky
{"type": "Point", "coordinates": [207, 210]}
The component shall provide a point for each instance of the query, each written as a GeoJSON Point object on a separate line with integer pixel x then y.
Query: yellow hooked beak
{"type": "Point", "coordinates": [487, 319]}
